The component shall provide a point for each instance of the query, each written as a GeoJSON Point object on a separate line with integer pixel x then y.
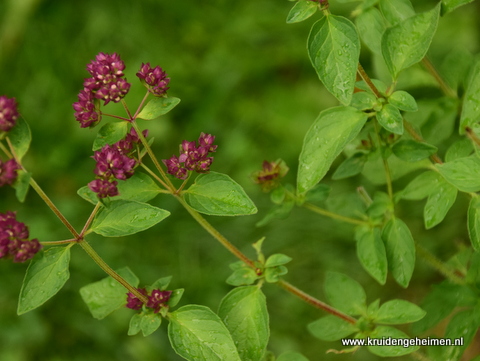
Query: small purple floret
{"type": "Point", "coordinates": [8, 113]}
{"type": "Point", "coordinates": [8, 172]}
{"type": "Point", "coordinates": [133, 302]}
{"type": "Point", "coordinates": [155, 79]}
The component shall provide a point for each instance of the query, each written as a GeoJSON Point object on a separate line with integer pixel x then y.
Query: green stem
{"type": "Point", "coordinates": [90, 219]}
{"type": "Point", "coordinates": [216, 234]}
{"type": "Point", "coordinates": [116, 116]}
{"type": "Point", "coordinates": [368, 81]}
{"type": "Point", "coordinates": [54, 243]}
{"type": "Point", "coordinates": [104, 266]}
{"type": "Point", "coordinates": [408, 127]}
{"type": "Point", "coordinates": [443, 85]}
{"type": "Point", "coordinates": [439, 265]}
{"type": "Point", "coordinates": [388, 177]}
{"type": "Point", "coordinates": [165, 182]}
{"type": "Point", "coordinates": [139, 109]}
{"type": "Point", "coordinates": [473, 137]}
{"type": "Point", "coordinates": [339, 217]}
{"type": "Point", "coordinates": [315, 302]}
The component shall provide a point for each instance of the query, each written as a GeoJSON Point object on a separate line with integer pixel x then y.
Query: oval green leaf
{"type": "Point", "coordinates": [387, 332]}
{"type": "Point", "coordinates": [463, 173]}
{"type": "Point", "coordinates": [107, 295]}
{"type": "Point", "coordinates": [20, 136]}
{"type": "Point", "coordinates": [440, 200]}
{"type": "Point", "coordinates": [396, 312]}
{"type": "Point", "coordinates": [371, 253]}
{"type": "Point", "coordinates": [471, 101]}
{"type": "Point", "coordinates": [122, 218]}
{"type": "Point", "coordinates": [331, 328]}
{"type": "Point", "coordinates": [345, 293]}
{"type": "Point", "coordinates": [244, 312]}
{"type": "Point", "coordinates": [474, 223]}
{"type": "Point", "coordinates": [329, 134]}
{"type": "Point", "coordinates": [198, 334]}
{"type": "Point", "coordinates": [400, 249]}
{"type": "Point", "coordinates": [110, 133]}
{"type": "Point", "coordinates": [302, 10]}
{"type": "Point", "coordinates": [391, 119]}
{"type": "Point", "coordinates": [407, 42]}
{"type": "Point", "coordinates": [403, 101]}
{"type": "Point", "coordinates": [396, 11]}
{"type": "Point", "coordinates": [158, 107]}
{"type": "Point", "coordinates": [217, 194]}
{"type": "Point", "coordinates": [450, 5]}
{"type": "Point", "coordinates": [413, 151]}
{"type": "Point", "coordinates": [46, 275]}
{"type": "Point", "coordinates": [22, 184]}
{"type": "Point", "coordinates": [371, 27]}
{"type": "Point", "coordinates": [334, 48]}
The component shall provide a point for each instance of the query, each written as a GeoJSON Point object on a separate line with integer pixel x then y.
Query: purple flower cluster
{"type": "Point", "coordinates": [8, 172]}
{"type": "Point", "coordinates": [8, 113]}
{"type": "Point", "coordinates": [269, 176]}
{"type": "Point", "coordinates": [155, 79]}
{"type": "Point", "coordinates": [156, 300]}
{"type": "Point", "coordinates": [106, 83]}
{"type": "Point", "coordinates": [14, 239]}
{"type": "Point", "coordinates": [192, 157]}
{"type": "Point", "coordinates": [114, 162]}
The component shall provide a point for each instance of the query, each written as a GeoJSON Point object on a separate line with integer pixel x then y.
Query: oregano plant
{"type": "Point", "coordinates": [398, 144]}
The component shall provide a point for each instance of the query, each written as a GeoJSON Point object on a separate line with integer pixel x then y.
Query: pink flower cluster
{"type": "Point", "coordinates": [14, 241]}
{"type": "Point", "coordinates": [8, 172]}
{"type": "Point", "coordinates": [155, 79]}
{"type": "Point", "coordinates": [192, 157]}
{"type": "Point", "coordinates": [8, 113]}
{"type": "Point", "coordinates": [114, 162]}
{"type": "Point", "coordinates": [106, 83]}
{"type": "Point", "coordinates": [156, 300]}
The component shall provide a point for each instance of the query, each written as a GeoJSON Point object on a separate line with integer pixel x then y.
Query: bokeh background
{"type": "Point", "coordinates": [243, 75]}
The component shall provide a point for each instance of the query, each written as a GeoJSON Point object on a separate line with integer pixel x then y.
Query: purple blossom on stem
{"type": "Point", "coordinates": [8, 113]}
{"type": "Point", "coordinates": [192, 157]}
{"type": "Point", "coordinates": [155, 79]}
{"type": "Point", "coordinates": [14, 241]}
{"type": "Point", "coordinates": [104, 188]}
{"type": "Point", "coordinates": [8, 172]}
{"type": "Point", "coordinates": [133, 301]}
{"type": "Point", "coordinates": [112, 162]}
{"type": "Point", "coordinates": [158, 299]}
{"type": "Point", "coordinates": [86, 111]}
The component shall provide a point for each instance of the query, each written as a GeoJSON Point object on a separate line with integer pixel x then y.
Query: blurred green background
{"type": "Point", "coordinates": [243, 75]}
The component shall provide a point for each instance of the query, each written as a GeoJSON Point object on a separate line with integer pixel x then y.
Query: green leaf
{"type": "Point", "coordinates": [334, 49]}
{"type": "Point", "coordinates": [396, 312]}
{"type": "Point", "coordinates": [391, 119]}
{"type": "Point", "coordinates": [161, 284]}
{"type": "Point", "coordinates": [110, 133]}
{"type": "Point", "coordinates": [345, 293]}
{"type": "Point", "coordinates": [460, 149]}
{"type": "Point", "coordinates": [463, 173]}
{"type": "Point", "coordinates": [20, 136]}
{"type": "Point", "coordinates": [22, 184]}
{"type": "Point", "coordinates": [122, 218]}
{"type": "Point", "coordinates": [318, 193]}
{"type": "Point", "coordinates": [403, 101]}
{"type": "Point", "coordinates": [217, 194]}
{"type": "Point", "coordinates": [150, 322]}
{"type": "Point", "coordinates": [280, 211]}
{"type": "Point", "coordinates": [413, 151]}
{"type": "Point", "coordinates": [331, 328]}
{"type": "Point", "coordinates": [135, 324]}
{"type": "Point", "coordinates": [242, 276]}
{"type": "Point", "coordinates": [450, 5]}
{"type": "Point", "coordinates": [175, 297]}
{"type": "Point", "coordinates": [302, 10]}
{"type": "Point", "coordinates": [46, 275]}
{"type": "Point", "coordinates": [420, 187]}
{"type": "Point", "coordinates": [407, 42]}
{"type": "Point", "coordinates": [474, 223]}
{"type": "Point", "coordinates": [329, 134]}
{"type": "Point", "coordinates": [396, 11]}
{"type": "Point", "coordinates": [272, 274]}
{"type": "Point", "coordinates": [244, 312]}
{"type": "Point", "coordinates": [363, 100]}
{"type": "Point", "coordinates": [139, 187]}
{"type": "Point", "coordinates": [440, 303]}
{"type": "Point", "coordinates": [107, 295]}
{"type": "Point", "coordinates": [463, 325]}
{"type": "Point", "coordinates": [371, 27]}
{"type": "Point", "coordinates": [158, 107]}
{"type": "Point", "coordinates": [350, 166]}
{"type": "Point", "coordinates": [441, 121]}
{"type": "Point", "coordinates": [380, 206]}
{"type": "Point", "coordinates": [387, 332]}
{"type": "Point", "coordinates": [291, 356]}
{"type": "Point", "coordinates": [400, 249]}
{"type": "Point", "coordinates": [471, 101]}
{"type": "Point", "coordinates": [198, 334]}
{"type": "Point", "coordinates": [87, 194]}
{"type": "Point", "coordinates": [440, 200]}
{"type": "Point", "coordinates": [371, 252]}
{"type": "Point", "coordinates": [277, 259]}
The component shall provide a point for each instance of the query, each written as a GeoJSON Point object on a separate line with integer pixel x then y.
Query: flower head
{"type": "Point", "coordinates": [158, 299]}
{"type": "Point", "coordinates": [269, 176]}
{"type": "Point", "coordinates": [192, 157]}
{"type": "Point", "coordinates": [155, 79]}
{"type": "Point", "coordinates": [111, 162]}
{"type": "Point", "coordinates": [8, 113]}
{"type": "Point", "coordinates": [133, 301]}
{"type": "Point", "coordinates": [104, 188]}
{"type": "Point", "coordinates": [86, 111]}
{"type": "Point", "coordinates": [8, 172]}
{"type": "Point", "coordinates": [14, 241]}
